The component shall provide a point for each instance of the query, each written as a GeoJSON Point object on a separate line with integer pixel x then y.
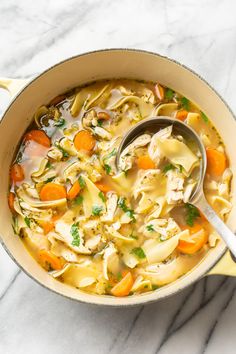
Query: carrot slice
{"type": "Point", "coordinates": [17, 173]}
{"type": "Point", "coordinates": [52, 191]}
{"type": "Point", "coordinates": [103, 116]}
{"type": "Point", "coordinates": [47, 226]}
{"type": "Point", "coordinates": [160, 92]}
{"type": "Point", "coordinates": [48, 259]}
{"type": "Point", "coordinates": [181, 114]}
{"type": "Point", "coordinates": [216, 162]}
{"type": "Point", "coordinates": [124, 286]}
{"type": "Point", "coordinates": [39, 136]}
{"type": "Point", "coordinates": [84, 140]}
{"type": "Point", "coordinates": [197, 239]}
{"type": "Point", "coordinates": [74, 191]}
{"type": "Point", "coordinates": [103, 187]}
{"type": "Point", "coordinates": [145, 163]}
{"type": "Point", "coordinates": [11, 199]}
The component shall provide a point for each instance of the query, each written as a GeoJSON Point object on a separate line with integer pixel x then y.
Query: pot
{"type": "Point", "coordinates": [81, 69]}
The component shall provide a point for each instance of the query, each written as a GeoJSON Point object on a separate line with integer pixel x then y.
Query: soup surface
{"type": "Point", "coordinates": [108, 227]}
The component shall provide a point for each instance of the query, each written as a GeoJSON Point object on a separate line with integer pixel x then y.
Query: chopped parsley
{"type": "Point", "coordinates": [154, 287]}
{"type": "Point", "coordinates": [49, 179]}
{"type": "Point", "coordinates": [107, 168]}
{"type": "Point", "coordinates": [150, 228]}
{"type": "Point", "coordinates": [81, 182]}
{"type": "Point", "coordinates": [75, 234]}
{"type": "Point", "coordinates": [112, 153]}
{"type": "Point", "coordinates": [192, 214]}
{"type": "Point", "coordinates": [27, 221]}
{"type": "Point", "coordinates": [133, 236]}
{"type": "Point", "coordinates": [60, 122]}
{"type": "Point", "coordinates": [138, 252]}
{"type": "Point", "coordinates": [100, 122]}
{"type": "Point", "coordinates": [96, 210]}
{"type": "Point", "coordinates": [169, 94]}
{"type": "Point", "coordinates": [78, 200]}
{"type": "Point", "coordinates": [48, 165]}
{"type": "Point", "coordinates": [64, 152]}
{"type": "Point", "coordinates": [119, 276]}
{"type": "Point", "coordinates": [185, 103]}
{"type": "Point", "coordinates": [122, 205]}
{"type": "Point", "coordinates": [180, 168]}
{"type": "Point", "coordinates": [204, 117]}
{"type": "Point", "coordinates": [102, 196]}
{"type": "Point", "coordinates": [168, 167]}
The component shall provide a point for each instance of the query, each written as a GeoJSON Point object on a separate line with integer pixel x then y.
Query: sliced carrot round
{"type": "Point", "coordinates": [216, 162]}
{"type": "Point", "coordinates": [49, 260]}
{"type": "Point", "coordinates": [39, 136]}
{"type": "Point", "coordinates": [11, 199]}
{"type": "Point", "coordinates": [52, 191]}
{"type": "Point", "coordinates": [74, 191]}
{"type": "Point", "coordinates": [103, 187]}
{"type": "Point", "coordinates": [124, 286]}
{"type": "Point", "coordinates": [47, 226]}
{"type": "Point", "coordinates": [84, 140]}
{"type": "Point", "coordinates": [197, 239]}
{"type": "Point", "coordinates": [181, 114]}
{"type": "Point", "coordinates": [103, 115]}
{"type": "Point", "coordinates": [160, 92]}
{"type": "Point", "coordinates": [17, 173]}
{"type": "Point", "coordinates": [145, 163]}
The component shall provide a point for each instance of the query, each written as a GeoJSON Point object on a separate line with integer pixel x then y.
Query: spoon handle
{"type": "Point", "coordinates": [226, 234]}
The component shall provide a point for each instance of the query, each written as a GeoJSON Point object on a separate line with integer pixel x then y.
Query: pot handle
{"type": "Point", "coordinates": [225, 266]}
{"type": "Point", "coordinates": [13, 86]}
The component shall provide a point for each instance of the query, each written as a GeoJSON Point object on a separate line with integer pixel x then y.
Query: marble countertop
{"type": "Point", "coordinates": [202, 35]}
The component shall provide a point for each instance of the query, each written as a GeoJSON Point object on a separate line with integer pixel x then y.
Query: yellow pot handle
{"type": "Point", "coordinates": [13, 86]}
{"type": "Point", "coordinates": [225, 266]}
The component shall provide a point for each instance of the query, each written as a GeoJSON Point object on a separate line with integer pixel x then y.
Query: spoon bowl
{"type": "Point", "coordinates": [153, 125]}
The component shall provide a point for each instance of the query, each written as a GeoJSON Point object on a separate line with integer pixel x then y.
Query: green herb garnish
{"type": "Point", "coordinates": [107, 168]}
{"type": "Point", "coordinates": [154, 287]}
{"type": "Point", "coordinates": [78, 200]}
{"type": "Point", "coordinates": [102, 196]}
{"type": "Point", "coordinates": [81, 182]}
{"type": "Point", "coordinates": [60, 122]}
{"type": "Point", "coordinates": [100, 122]}
{"type": "Point", "coordinates": [168, 167]}
{"type": "Point", "coordinates": [49, 180]}
{"type": "Point", "coordinates": [48, 165]}
{"type": "Point", "coordinates": [64, 152]}
{"type": "Point", "coordinates": [138, 252]}
{"type": "Point", "coordinates": [192, 214]}
{"type": "Point", "coordinates": [112, 153]}
{"type": "Point", "coordinates": [96, 210]}
{"type": "Point", "coordinates": [169, 94]}
{"type": "Point", "coordinates": [150, 228]}
{"type": "Point", "coordinates": [204, 117]}
{"type": "Point", "coordinates": [123, 206]}
{"type": "Point", "coordinates": [27, 221]}
{"type": "Point", "coordinates": [119, 276]}
{"type": "Point", "coordinates": [133, 236]}
{"type": "Point", "coordinates": [185, 103]}
{"type": "Point", "coordinates": [75, 234]}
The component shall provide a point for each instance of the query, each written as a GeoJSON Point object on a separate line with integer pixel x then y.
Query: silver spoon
{"type": "Point", "coordinates": [197, 198]}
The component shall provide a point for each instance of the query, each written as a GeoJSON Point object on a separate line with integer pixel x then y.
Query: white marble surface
{"type": "Point", "coordinates": [35, 35]}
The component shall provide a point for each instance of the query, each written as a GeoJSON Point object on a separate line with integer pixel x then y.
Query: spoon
{"type": "Point", "coordinates": [197, 198]}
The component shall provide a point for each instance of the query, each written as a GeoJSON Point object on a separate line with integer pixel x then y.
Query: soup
{"type": "Point", "coordinates": [116, 227]}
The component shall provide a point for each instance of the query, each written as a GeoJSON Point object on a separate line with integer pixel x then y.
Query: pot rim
{"type": "Point", "coordinates": [17, 95]}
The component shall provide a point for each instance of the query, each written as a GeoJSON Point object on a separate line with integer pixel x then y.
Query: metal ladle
{"type": "Point", "coordinates": [197, 198]}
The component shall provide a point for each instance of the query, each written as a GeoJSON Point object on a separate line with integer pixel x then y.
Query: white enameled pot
{"type": "Point", "coordinates": [75, 71]}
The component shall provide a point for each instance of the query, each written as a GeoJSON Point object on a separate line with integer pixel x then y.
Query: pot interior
{"type": "Point", "coordinates": [82, 69]}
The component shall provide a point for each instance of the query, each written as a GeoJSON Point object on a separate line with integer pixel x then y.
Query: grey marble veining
{"type": "Point", "coordinates": [33, 36]}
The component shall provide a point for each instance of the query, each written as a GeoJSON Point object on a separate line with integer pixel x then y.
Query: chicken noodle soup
{"type": "Point", "coordinates": [108, 229]}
